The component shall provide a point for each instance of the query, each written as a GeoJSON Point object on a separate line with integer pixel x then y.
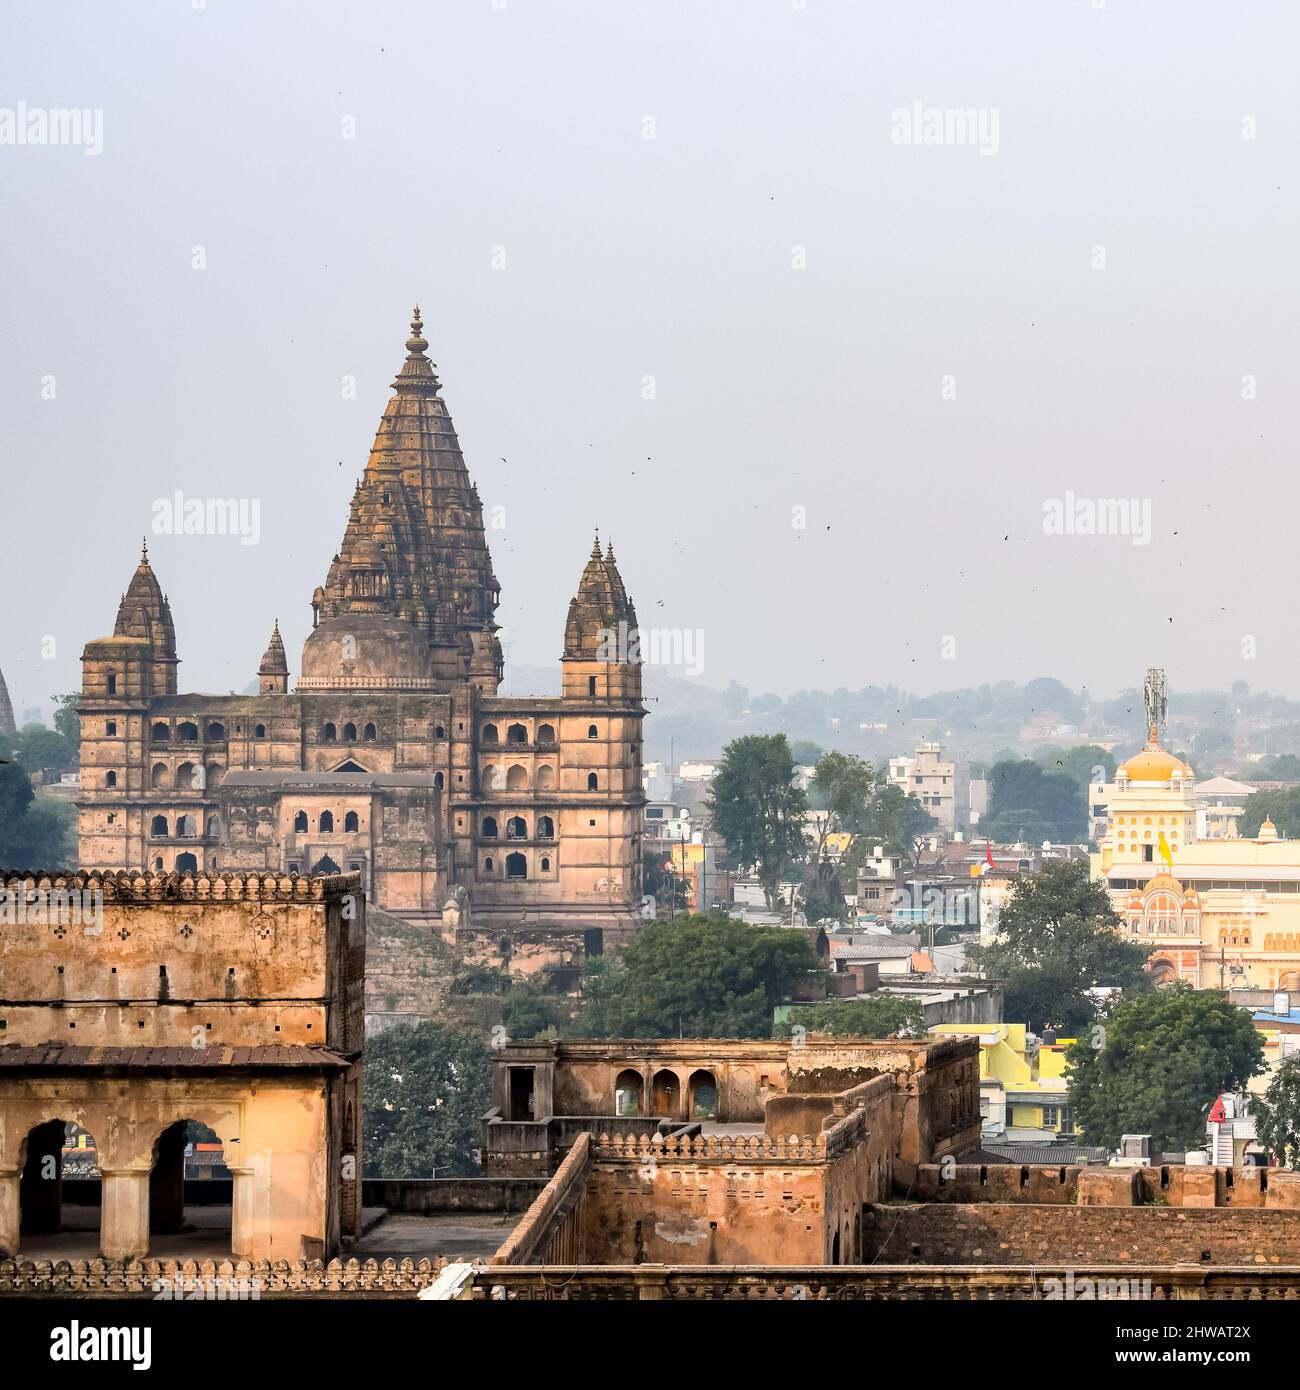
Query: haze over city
{"type": "Point", "coordinates": [683, 281]}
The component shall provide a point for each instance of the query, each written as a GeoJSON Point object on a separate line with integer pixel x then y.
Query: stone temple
{"type": "Point", "coordinates": [392, 756]}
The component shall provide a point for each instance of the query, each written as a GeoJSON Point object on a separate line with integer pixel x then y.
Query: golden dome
{"type": "Point", "coordinates": [1153, 764]}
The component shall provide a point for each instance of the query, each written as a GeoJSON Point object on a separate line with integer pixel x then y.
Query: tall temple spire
{"type": "Point", "coordinates": [415, 546]}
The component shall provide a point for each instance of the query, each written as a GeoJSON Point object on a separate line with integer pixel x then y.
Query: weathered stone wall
{"type": "Point", "coordinates": [424, 1195]}
{"type": "Point", "coordinates": [1069, 1185]}
{"type": "Point", "coordinates": [1012, 1233]}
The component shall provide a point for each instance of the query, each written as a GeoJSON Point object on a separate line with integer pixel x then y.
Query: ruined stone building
{"type": "Point", "coordinates": [137, 1005]}
{"type": "Point", "coordinates": [393, 756]}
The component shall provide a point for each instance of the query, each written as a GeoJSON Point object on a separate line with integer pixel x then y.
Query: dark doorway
{"type": "Point", "coordinates": [521, 1093]}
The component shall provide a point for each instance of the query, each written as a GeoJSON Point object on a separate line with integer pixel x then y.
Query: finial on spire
{"type": "Point", "coordinates": [144, 550]}
{"type": "Point", "coordinates": [595, 545]}
{"type": "Point", "coordinates": [609, 551]}
{"type": "Point", "coordinates": [417, 343]}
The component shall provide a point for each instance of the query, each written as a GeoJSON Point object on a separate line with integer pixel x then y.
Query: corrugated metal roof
{"type": "Point", "coordinates": [1046, 1153]}
{"type": "Point", "coordinates": [15, 1056]}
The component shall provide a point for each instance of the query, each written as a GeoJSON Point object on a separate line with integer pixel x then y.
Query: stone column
{"type": "Point", "coordinates": [10, 1211]}
{"type": "Point", "coordinates": [124, 1222]}
{"type": "Point", "coordinates": [243, 1235]}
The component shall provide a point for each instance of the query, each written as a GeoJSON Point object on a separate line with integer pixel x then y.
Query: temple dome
{"type": "Point", "coordinates": [366, 651]}
{"type": "Point", "coordinates": [1153, 764]}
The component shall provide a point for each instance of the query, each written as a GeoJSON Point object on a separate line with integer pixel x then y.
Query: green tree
{"type": "Point", "coordinates": [1041, 805]}
{"type": "Point", "coordinates": [897, 821]}
{"type": "Point", "coordinates": [670, 890]}
{"type": "Point", "coordinates": [427, 1086]}
{"type": "Point", "coordinates": [1058, 937]}
{"type": "Point", "coordinates": [1277, 1114]}
{"type": "Point", "coordinates": [530, 1012]}
{"type": "Point", "coordinates": [38, 748]}
{"type": "Point", "coordinates": [757, 808]}
{"type": "Point", "coordinates": [35, 833]}
{"type": "Point", "coordinates": [878, 1016]}
{"type": "Point", "coordinates": [1281, 807]}
{"type": "Point", "coordinates": [704, 976]}
{"type": "Point", "coordinates": [66, 719]}
{"type": "Point", "coordinates": [805, 752]}
{"type": "Point", "coordinates": [1084, 764]}
{"type": "Point", "coordinates": [1157, 1063]}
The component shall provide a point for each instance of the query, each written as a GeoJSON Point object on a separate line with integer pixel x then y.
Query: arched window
{"type": "Point", "coordinates": [158, 826]}
{"type": "Point", "coordinates": [487, 865]}
{"type": "Point", "coordinates": [329, 733]}
{"type": "Point", "coordinates": [516, 733]}
{"type": "Point", "coordinates": [187, 863]}
{"type": "Point", "coordinates": [300, 822]}
{"type": "Point", "coordinates": [490, 734]}
{"type": "Point", "coordinates": [591, 685]}
{"type": "Point", "coordinates": [439, 731]}
{"type": "Point", "coordinates": [517, 778]}
{"type": "Point", "coordinates": [187, 732]}
{"type": "Point", "coordinates": [216, 732]}
{"type": "Point", "coordinates": [110, 779]}
{"type": "Point", "coordinates": [259, 731]}
{"type": "Point", "coordinates": [516, 866]}
{"type": "Point", "coordinates": [439, 780]}
{"type": "Point", "coordinates": [213, 774]}
{"type": "Point", "coordinates": [516, 828]}
{"type": "Point", "coordinates": [157, 864]}
{"type": "Point", "coordinates": [111, 728]}
{"type": "Point", "coordinates": [187, 828]}
{"type": "Point", "coordinates": [351, 823]}
{"type": "Point", "coordinates": [326, 821]}
{"type": "Point", "coordinates": [158, 777]}
{"type": "Point", "coordinates": [627, 1093]}
{"type": "Point", "coordinates": [349, 733]}
{"type": "Point", "coordinates": [592, 731]}
{"type": "Point", "coordinates": [545, 828]}
{"type": "Point", "coordinates": [489, 827]}
{"type": "Point", "coordinates": [369, 733]}
{"type": "Point", "coordinates": [546, 865]}
{"type": "Point", "coordinates": [593, 782]}
{"type": "Point", "coordinates": [160, 733]}
{"type": "Point", "coordinates": [546, 733]}
{"type": "Point", "coordinates": [545, 777]}
{"type": "Point", "coordinates": [214, 831]}
{"type": "Point", "coordinates": [189, 777]}
{"type": "Point", "coordinates": [112, 683]}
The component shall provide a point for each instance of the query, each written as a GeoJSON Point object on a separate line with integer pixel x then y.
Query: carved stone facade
{"type": "Point", "coordinates": [393, 757]}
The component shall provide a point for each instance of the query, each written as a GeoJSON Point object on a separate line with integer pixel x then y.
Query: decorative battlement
{"type": "Point", "coordinates": [719, 1148]}
{"type": "Point", "coordinates": [125, 887]}
{"type": "Point", "coordinates": [233, 1280]}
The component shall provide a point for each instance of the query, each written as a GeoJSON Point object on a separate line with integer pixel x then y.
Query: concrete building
{"type": "Point", "coordinates": [932, 780]}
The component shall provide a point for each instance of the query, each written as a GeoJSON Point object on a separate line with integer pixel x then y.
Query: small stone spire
{"type": "Point", "coordinates": [273, 673]}
{"type": "Point", "coordinates": [417, 377]}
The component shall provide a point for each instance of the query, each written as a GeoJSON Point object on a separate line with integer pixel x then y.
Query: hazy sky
{"type": "Point", "coordinates": [797, 280]}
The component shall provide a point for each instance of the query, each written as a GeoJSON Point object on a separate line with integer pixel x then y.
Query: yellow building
{"type": "Point", "coordinates": [1217, 913]}
{"type": "Point", "coordinates": [1023, 1093]}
